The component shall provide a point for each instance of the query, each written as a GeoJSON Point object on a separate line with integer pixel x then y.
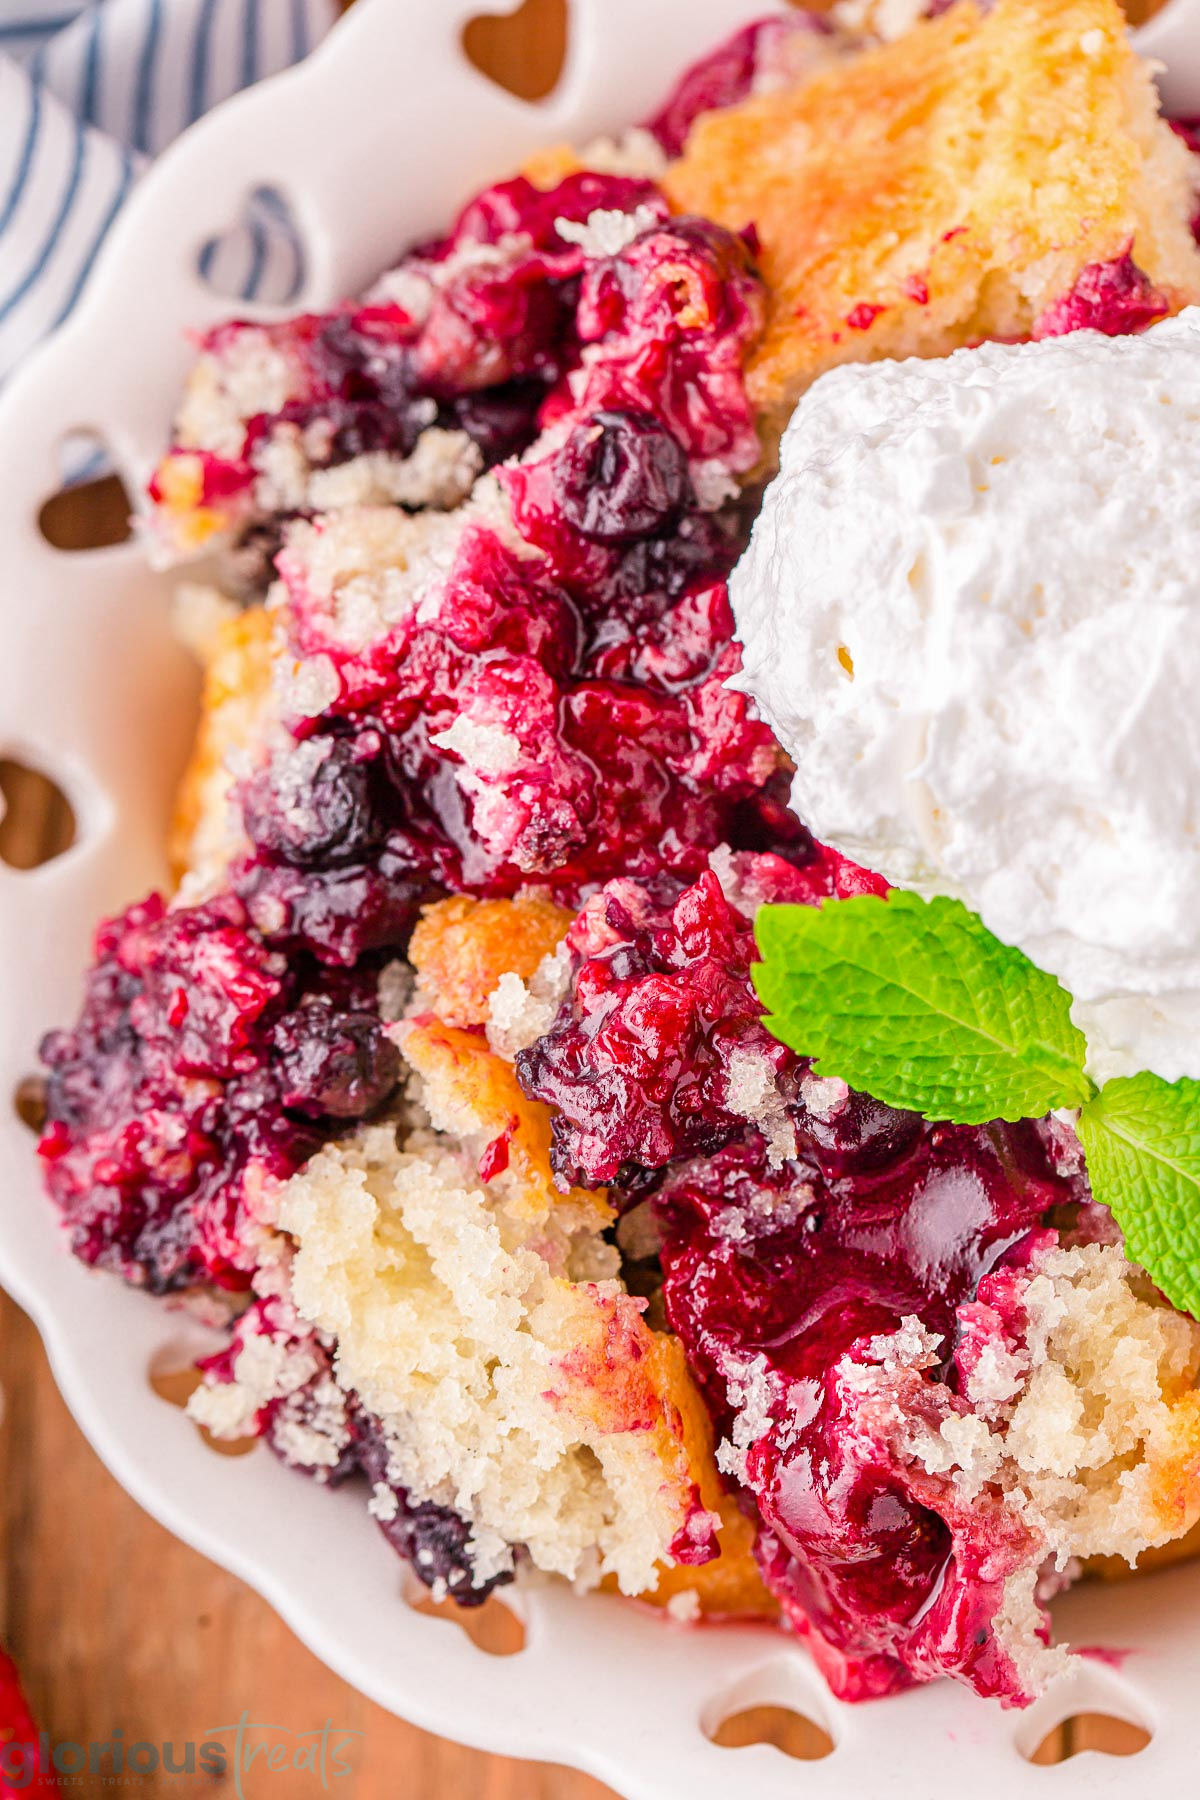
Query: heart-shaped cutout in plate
{"type": "Point", "coordinates": [1102, 1732]}
{"type": "Point", "coordinates": [37, 821]}
{"type": "Point", "coordinates": [522, 51]}
{"type": "Point", "coordinates": [91, 508]}
{"type": "Point", "coordinates": [781, 1726]}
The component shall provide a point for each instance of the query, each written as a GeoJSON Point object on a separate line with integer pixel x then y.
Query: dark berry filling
{"type": "Point", "coordinates": [620, 476]}
{"type": "Point", "coordinates": [642, 1063]}
{"type": "Point", "coordinates": [333, 1064]}
{"type": "Point", "coordinates": [202, 1064]}
{"type": "Point", "coordinates": [212, 1049]}
{"type": "Point", "coordinates": [598, 666]}
{"type": "Point", "coordinates": [798, 1223]}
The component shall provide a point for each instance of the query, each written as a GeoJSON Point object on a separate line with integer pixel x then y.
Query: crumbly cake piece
{"type": "Point", "coordinates": [475, 1313]}
{"type": "Point", "coordinates": [480, 1360]}
{"type": "Point", "coordinates": [945, 188]}
{"type": "Point", "coordinates": [1079, 1419]}
{"type": "Point", "coordinates": [237, 708]}
{"type": "Point", "coordinates": [464, 949]}
{"type": "Point", "coordinates": [1088, 1422]}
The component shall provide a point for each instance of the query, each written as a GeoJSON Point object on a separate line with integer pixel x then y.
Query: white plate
{"type": "Point", "coordinates": [375, 142]}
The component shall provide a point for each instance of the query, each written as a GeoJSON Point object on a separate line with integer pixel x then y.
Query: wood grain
{"type": "Point", "coordinates": [115, 1624]}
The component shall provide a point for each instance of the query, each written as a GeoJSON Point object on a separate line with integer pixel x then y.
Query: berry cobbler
{"type": "Point", "coordinates": [442, 1066]}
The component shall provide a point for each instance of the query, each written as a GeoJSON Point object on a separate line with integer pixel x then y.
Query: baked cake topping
{"type": "Point", "coordinates": [891, 224]}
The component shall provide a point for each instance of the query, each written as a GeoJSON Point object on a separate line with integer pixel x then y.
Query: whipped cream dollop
{"type": "Point", "coordinates": [971, 612]}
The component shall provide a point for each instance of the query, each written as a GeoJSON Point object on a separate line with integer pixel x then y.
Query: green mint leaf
{"type": "Point", "coordinates": [1141, 1137]}
{"type": "Point", "coordinates": [915, 1002]}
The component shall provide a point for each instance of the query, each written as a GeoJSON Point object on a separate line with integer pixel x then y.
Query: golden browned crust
{"type": "Point", "coordinates": [461, 948]}
{"type": "Point", "coordinates": [944, 188]}
{"type": "Point", "coordinates": [475, 1093]}
{"type": "Point", "coordinates": [730, 1586]}
{"type": "Point", "coordinates": [1174, 1496]}
{"type": "Point", "coordinates": [237, 691]}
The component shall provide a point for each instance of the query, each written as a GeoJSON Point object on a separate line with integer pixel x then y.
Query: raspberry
{"type": "Point", "coordinates": [1113, 297]}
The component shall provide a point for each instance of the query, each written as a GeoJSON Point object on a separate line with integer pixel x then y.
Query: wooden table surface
{"type": "Point", "coordinates": [114, 1623]}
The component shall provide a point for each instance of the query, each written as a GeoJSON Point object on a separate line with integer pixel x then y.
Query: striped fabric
{"type": "Point", "coordinates": [88, 94]}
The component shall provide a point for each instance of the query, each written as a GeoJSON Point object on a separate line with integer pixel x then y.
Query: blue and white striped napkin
{"type": "Point", "coordinates": [90, 91]}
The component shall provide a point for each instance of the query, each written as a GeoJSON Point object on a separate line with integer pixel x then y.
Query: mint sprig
{"type": "Point", "coordinates": [1141, 1138]}
{"type": "Point", "coordinates": [915, 1002]}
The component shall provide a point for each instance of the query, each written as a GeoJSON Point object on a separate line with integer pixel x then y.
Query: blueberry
{"type": "Point", "coordinates": [697, 549]}
{"type": "Point", "coordinates": [436, 1542]}
{"type": "Point", "coordinates": [620, 476]}
{"type": "Point", "coordinates": [337, 1064]}
{"type": "Point", "coordinates": [312, 806]}
{"type": "Point", "coordinates": [392, 423]}
{"type": "Point", "coordinates": [858, 1138]}
{"type": "Point", "coordinates": [372, 403]}
{"type": "Point", "coordinates": [503, 420]}
{"type": "Point", "coordinates": [337, 913]}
